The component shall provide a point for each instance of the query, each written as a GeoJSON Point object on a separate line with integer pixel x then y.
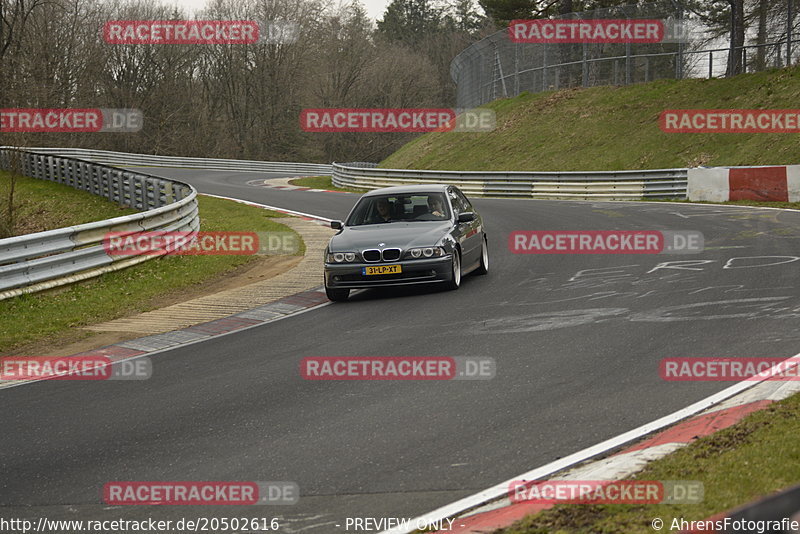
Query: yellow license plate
{"type": "Point", "coordinates": [381, 269]}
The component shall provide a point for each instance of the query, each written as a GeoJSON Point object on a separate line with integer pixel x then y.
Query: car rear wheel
{"type": "Point", "coordinates": [455, 279]}
{"type": "Point", "coordinates": [337, 295]}
{"type": "Point", "coordinates": [483, 267]}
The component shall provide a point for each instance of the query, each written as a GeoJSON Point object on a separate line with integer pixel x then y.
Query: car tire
{"type": "Point", "coordinates": [483, 266]}
{"type": "Point", "coordinates": [455, 280]}
{"type": "Point", "coordinates": [337, 295]}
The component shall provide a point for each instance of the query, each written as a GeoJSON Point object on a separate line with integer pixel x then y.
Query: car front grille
{"type": "Point", "coordinates": [374, 255]}
{"type": "Point", "coordinates": [371, 255]}
{"type": "Point", "coordinates": [391, 254]}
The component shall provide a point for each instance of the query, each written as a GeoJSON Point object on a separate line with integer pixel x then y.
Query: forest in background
{"type": "Point", "coordinates": [243, 101]}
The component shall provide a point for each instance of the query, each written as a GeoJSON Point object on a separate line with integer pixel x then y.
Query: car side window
{"type": "Point", "coordinates": [458, 206]}
{"type": "Point", "coordinates": [464, 201]}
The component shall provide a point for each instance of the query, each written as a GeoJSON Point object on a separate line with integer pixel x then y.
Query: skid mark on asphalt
{"type": "Point", "coordinates": [746, 309]}
{"type": "Point", "coordinates": [633, 282]}
{"type": "Point", "coordinates": [545, 321]}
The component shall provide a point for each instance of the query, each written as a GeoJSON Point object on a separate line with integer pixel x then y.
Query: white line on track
{"type": "Point", "coordinates": [273, 208]}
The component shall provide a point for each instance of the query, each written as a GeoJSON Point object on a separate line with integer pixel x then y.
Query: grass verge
{"type": "Point", "coordinates": [42, 205]}
{"type": "Point", "coordinates": [55, 315]}
{"type": "Point", "coordinates": [614, 128]}
{"type": "Point", "coordinates": [751, 459]}
{"type": "Point", "coordinates": [323, 182]}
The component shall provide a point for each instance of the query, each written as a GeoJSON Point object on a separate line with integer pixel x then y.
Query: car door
{"type": "Point", "coordinates": [475, 232]}
{"type": "Point", "coordinates": [469, 234]}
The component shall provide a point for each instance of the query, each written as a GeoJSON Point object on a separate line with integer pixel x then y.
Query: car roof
{"type": "Point", "coordinates": [398, 189]}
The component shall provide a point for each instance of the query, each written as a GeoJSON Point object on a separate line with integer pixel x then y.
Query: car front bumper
{"type": "Point", "coordinates": [423, 271]}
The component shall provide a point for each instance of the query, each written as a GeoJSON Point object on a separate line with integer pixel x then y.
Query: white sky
{"type": "Point", "coordinates": [375, 8]}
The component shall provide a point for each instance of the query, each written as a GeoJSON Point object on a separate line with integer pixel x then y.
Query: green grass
{"type": "Point", "coordinates": [323, 182]}
{"type": "Point", "coordinates": [56, 314]}
{"type": "Point", "coordinates": [614, 128]}
{"type": "Point", "coordinates": [756, 457]}
{"type": "Point", "coordinates": [42, 205]}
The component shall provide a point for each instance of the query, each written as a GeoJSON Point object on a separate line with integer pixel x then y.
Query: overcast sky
{"type": "Point", "coordinates": [375, 8]}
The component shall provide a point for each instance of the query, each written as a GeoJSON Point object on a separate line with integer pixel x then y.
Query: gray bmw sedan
{"type": "Point", "coordinates": [416, 234]}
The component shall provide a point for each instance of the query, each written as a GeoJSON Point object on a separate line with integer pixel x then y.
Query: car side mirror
{"type": "Point", "coordinates": [467, 216]}
{"type": "Point", "coordinates": [336, 225]}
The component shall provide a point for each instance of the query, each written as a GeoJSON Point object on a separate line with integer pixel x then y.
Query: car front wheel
{"type": "Point", "coordinates": [337, 295]}
{"type": "Point", "coordinates": [483, 267]}
{"type": "Point", "coordinates": [455, 279]}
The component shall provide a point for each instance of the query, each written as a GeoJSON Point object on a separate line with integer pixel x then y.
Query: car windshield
{"type": "Point", "coordinates": [409, 207]}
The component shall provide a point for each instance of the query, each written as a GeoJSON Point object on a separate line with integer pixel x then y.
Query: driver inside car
{"type": "Point", "coordinates": [436, 206]}
{"type": "Point", "coordinates": [384, 211]}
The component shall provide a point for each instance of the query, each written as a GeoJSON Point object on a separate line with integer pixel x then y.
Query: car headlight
{"type": "Point", "coordinates": [341, 257]}
{"type": "Point", "coordinates": [426, 252]}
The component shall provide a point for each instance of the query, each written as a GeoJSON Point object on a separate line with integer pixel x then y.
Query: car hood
{"type": "Point", "coordinates": [394, 235]}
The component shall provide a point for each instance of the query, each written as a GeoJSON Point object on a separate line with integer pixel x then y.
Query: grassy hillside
{"type": "Point", "coordinates": [615, 128]}
{"type": "Point", "coordinates": [43, 205]}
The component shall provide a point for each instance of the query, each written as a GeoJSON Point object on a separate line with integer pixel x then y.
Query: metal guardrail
{"type": "Point", "coordinates": [124, 159]}
{"type": "Point", "coordinates": [43, 260]}
{"type": "Point", "coordinates": [593, 185]}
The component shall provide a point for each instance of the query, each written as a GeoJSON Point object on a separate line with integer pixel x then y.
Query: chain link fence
{"type": "Point", "coordinates": [496, 67]}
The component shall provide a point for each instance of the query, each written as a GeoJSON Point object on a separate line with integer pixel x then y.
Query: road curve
{"type": "Point", "coordinates": [577, 340]}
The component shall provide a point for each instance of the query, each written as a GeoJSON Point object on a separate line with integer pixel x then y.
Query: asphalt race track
{"type": "Point", "coordinates": [577, 340]}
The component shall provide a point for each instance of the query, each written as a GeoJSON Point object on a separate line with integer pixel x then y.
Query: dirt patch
{"type": "Point", "coordinates": [80, 340]}
{"type": "Point", "coordinates": [579, 516]}
{"type": "Point", "coordinates": [727, 440]}
{"type": "Point", "coordinates": [261, 269]}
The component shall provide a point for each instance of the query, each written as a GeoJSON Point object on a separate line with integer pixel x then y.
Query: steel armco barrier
{"type": "Point", "coordinates": [599, 185]}
{"type": "Point", "coordinates": [44, 260]}
{"type": "Point", "coordinates": [123, 159]}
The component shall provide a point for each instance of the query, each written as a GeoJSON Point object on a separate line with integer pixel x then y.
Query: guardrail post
{"type": "Point", "coordinates": [39, 166]}
{"type": "Point", "coordinates": [127, 188]}
{"type": "Point", "coordinates": [52, 168]}
{"type": "Point", "coordinates": [169, 192]}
